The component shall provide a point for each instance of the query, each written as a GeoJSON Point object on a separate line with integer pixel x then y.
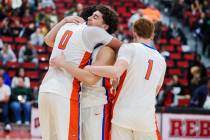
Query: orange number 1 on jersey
{"type": "Point", "coordinates": [149, 69]}
{"type": "Point", "coordinates": [64, 40]}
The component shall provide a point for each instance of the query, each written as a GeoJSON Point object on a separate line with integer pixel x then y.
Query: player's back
{"type": "Point", "coordinates": [93, 95]}
{"type": "Point", "coordinates": [68, 40]}
{"type": "Point", "coordinates": [137, 96]}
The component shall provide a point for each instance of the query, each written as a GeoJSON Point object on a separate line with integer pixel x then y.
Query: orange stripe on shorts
{"type": "Point", "coordinates": [74, 104]}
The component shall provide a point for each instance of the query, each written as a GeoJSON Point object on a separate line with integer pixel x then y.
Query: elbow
{"type": "Point", "coordinates": [48, 41]}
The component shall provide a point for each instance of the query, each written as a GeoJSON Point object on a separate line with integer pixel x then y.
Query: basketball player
{"type": "Point", "coordinates": [59, 116]}
{"type": "Point", "coordinates": [143, 70]}
{"type": "Point", "coordinates": [95, 93]}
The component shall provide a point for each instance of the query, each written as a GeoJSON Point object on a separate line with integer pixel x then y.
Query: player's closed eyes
{"type": "Point", "coordinates": [95, 16]}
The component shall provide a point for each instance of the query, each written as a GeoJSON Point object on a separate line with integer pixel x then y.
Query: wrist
{"type": "Point", "coordinates": [63, 21]}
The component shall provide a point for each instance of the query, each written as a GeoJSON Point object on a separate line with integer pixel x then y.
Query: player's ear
{"type": "Point", "coordinates": [135, 34]}
{"type": "Point", "coordinates": [105, 26]}
{"type": "Point", "coordinates": [152, 36]}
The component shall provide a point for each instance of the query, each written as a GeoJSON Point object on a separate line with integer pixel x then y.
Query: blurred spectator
{"type": "Point", "coordinates": [27, 31]}
{"type": "Point", "coordinates": [134, 18]}
{"type": "Point", "coordinates": [6, 77]}
{"type": "Point", "coordinates": [5, 93]}
{"type": "Point", "coordinates": [121, 35]}
{"type": "Point", "coordinates": [171, 93]}
{"type": "Point", "coordinates": [176, 32]}
{"type": "Point", "coordinates": [178, 5]}
{"type": "Point", "coordinates": [75, 11]}
{"type": "Point", "coordinates": [47, 3]}
{"type": "Point", "coordinates": [207, 101]}
{"type": "Point", "coordinates": [158, 27]}
{"type": "Point", "coordinates": [200, 94]}
{"type": "Point", "coordinates": [2, 12]}
{"type": "Point", "coordinates": [37, 38]}
{"type": "Point", "coordinates": [28, 54]}
{"type": "Point", "coordinates": [205, 6]}
{"type": "Point", "coordinates": [152, 13]}
{"type": "Point", "coordinates": [42, 17]}
{"type": "Point", "coordinates": [20, 75]}
{"type": "Point", "coordinates": [5, 28]}
{"type": "Point", "coordinates": [16, 28]}
{"type": "Point", "coordinates": [164, 53]}
{"type": "Point", "coordinates": [20, 101]}
{"type": "Point", "coordinates": [16, 4]}
{"type": "Point", "coordinates": [7, 54]}
{"type": "Point", "coordinates": [197, 73]}
{"type": "Point", "coordinates": [205, 32]}
{"type": "Point", "coordinates": [1, 44]}
{"type": "Point", "coordinates": [196, 7]}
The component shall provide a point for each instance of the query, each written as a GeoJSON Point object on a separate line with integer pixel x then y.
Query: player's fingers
{"type": "Point", "coordinates": [79, 19]}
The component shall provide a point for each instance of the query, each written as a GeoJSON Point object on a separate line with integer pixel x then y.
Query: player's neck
{"type": "Point", "coordinates": [142, 40]}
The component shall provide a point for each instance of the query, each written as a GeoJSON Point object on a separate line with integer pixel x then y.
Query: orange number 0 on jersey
{"type": "Point", "coordinates": [64, 40]}
{"type": "Point", "coordinates": [149, 69]}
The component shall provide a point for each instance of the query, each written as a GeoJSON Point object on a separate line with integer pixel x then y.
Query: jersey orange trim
{"type": "Point", "coordinates": [122, 79]}
{"type": "Point", "coordinates": [74, 128]}
{"type": "Point", "coordinates": [157, 130]}
{"type": "Point", "coordinates": [107, 111]}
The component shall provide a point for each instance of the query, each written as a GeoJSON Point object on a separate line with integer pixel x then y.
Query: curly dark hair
{"type": "Point", "coordinates": [110, 17]}
{"type": "Point", "coordinates": [87, 12]}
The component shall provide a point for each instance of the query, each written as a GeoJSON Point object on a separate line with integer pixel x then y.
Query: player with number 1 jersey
{"type": "Point", "coordinates": [142, 68]}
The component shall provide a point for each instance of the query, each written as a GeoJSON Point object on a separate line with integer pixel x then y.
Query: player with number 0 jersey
{"type": "Point", "coordinates": [59, 97]}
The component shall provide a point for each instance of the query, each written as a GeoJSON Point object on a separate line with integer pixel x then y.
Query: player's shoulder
{"type": "Point", "coordinates": [94, 29]}
{"type": "Point", "coordinates": [128, 45]}
{"type": "Point", "coordinates": [107, 49]}
{"type": "Point", "coordinates": [72, 26]}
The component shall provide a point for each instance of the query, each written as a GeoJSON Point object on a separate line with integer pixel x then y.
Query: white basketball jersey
{"type": "Point", "coordinates": [93, 95]}
{"type": "Point", "coordinates": [135, 105]}
{"type": "Point", "coordinates": [73, 40]}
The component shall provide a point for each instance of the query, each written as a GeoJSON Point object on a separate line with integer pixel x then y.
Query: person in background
{"type": "Point", "coordinates": [200, 95]}
{"type": "Point", "coordinates": [28, 54]}
{"type": "Point", "coordinates": [5, 92]}
{"type": "Point", "coordinates": [5, 75]}
{"type": "Point", "coordinates": [21, 98]}
{"type": "Point", "coordinates": [37, 38]}
{"type": "Point", "coordinates": [20, 75]}
{"type": "Point", "coordinates": [75, 11]}
{"type": "Point", "coordinates": [7, 54]}
{"type": "Point", "coordinates": [207, 101]}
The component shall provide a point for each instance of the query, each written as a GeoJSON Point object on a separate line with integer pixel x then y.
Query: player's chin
{"type": "Point", "coordinates": [89, 23]}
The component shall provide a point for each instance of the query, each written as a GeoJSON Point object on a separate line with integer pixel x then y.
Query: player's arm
{"type": "Point", "coordinates": [124, 59]}
{"type": "Point", "coordinates": [93, 36]}
{"type": "Point", "coordinates": [50, 37]}
{"type": "Point", "coordinates": [161, 80]}
{"type": "Point", "coordinates": [106, 56]}
{"type": "Point", "coordinates": [113, 72]}
{"type": "Point", "coordinates": [115, 44]}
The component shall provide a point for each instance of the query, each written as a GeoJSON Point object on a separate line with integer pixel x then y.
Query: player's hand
{"type": "Point", "coordinates": [58, 61]}
{"type": "Point", "coordinates": [73, 19]}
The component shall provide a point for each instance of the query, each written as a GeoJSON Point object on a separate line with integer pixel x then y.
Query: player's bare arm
{"type": "Point", "coordinates": [115, 44]}
{"type": "Point", "coordinates": [105, 56]}
{"type": "Point", "coordinates": [50, 37]}
{"type": "Point", "coordinates": [113, 72]}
